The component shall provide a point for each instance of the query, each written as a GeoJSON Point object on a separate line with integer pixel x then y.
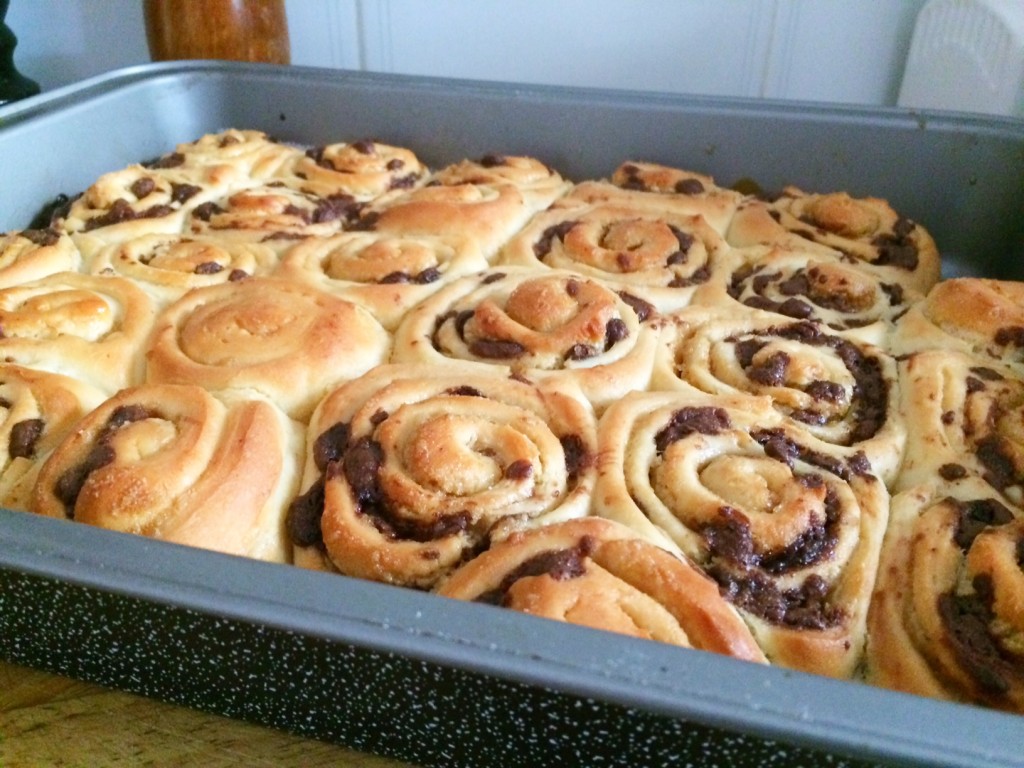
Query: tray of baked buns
{"type": "Point", "coordinates": [478, 423]}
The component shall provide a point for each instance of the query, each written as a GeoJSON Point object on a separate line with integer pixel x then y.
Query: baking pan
{"type": "Point", "coordinates": [413, 675]}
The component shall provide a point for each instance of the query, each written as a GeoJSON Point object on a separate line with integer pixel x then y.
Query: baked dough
{"type": "Point", "coordinates": [789, 527]}
{"type": "Point", "coordinates": [175, 463]}
{"type": "Point", "coordinates": [600, 574]}
{"type": "Point", "coordinates": [547, 325]}
{"type": "Point", "coordinates": [411, 469]}
{"type": "Point", "coordinates": [281, 339]}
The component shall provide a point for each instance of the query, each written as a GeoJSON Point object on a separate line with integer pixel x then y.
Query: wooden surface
{"type": "Point", "coordinates": [48, 720]}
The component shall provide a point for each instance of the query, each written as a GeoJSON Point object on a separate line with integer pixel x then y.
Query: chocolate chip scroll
{"type": "Point", "coordinates": [865, 231]}
{"type": "Point", "coordinates": [175, 463]}
{"type": "Point", "coordinates": [840, 390]}
{"type": "Point", "coordinates": [551, 324]}
{"type": "Point", "coordinates": [232, 158]}
{"type": "Point", "coordinates": [279, 338]}
{"type": "Point", "coordinates": [38, 410]}
{"type": "Point", "coordinates": [272, 214]}
{"type": "Point", "coordinates": [31, 254]}
{"type": "Point", "coordinates": [659, 253]}
{"type": "Point", "coordinates": [788, 526]}
{"type": "Point", "coordinates": [486, 201]}
{"type": "Point", "coordinates": [362, 169]}
{"type": "Point", "coordinates": [88, 327]}
{"type": "Point", "coordinates": [971, 315]}
{"type": "Point", "coordinates": [137, 200]}
{"type": "Point", "coordinates": [808, 285]}
{"type": "Point", "coordinates": [599, 574]}
{"type": "Point", "coordinates": [662, 186]}
{"type": "Point", "coordinates": [411, 470]}
{"type": "Point", "coordinates": [386, 273]}
{"type": "Point", "coordinates": [947, 619]}
{"type": "Point", "coordinates": [967, 416]}
{"type": "Point", "coordinates": [168, 266]}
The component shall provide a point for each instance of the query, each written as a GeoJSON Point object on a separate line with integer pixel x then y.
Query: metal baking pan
{"type": "Point", "coordinates": [412, 675]}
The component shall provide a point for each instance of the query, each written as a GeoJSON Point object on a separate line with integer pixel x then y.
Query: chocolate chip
{"type": "Point", "coordinates": [1000, 469]}
{"type": "Point", "coordinates": [689, 187]}
{"type": "Point", "coordinates": [1010, 336]}
{"type": "Point", "coordinates": [952, 472]}
{"type": "Point", "coordinates": [559, 564]}
{"type": "Point", "coordinates": [330, 445]}
{"type": "Point", "coordinates": [497, 349]}
{"type": "Point", "coordinates": [580, 352]}
{"type": "Point", "coordinates": [690, 420]}
{"type": "Point", "coordinates": [644, 309]}
{"type": "Point", "coordinates": [967, 618]}
{"type": "Point", "coordinates": [143, 187]}
{"type": "Point", "coordinates": [615, 330]}
{"type": "Point", "coordinates": [556, 232]}
{"type": "Point", "coordinates": [23, 438]}
{"type": "Point", "coordinates": [464, 391]}
{"type": "Point", "coordinates": [172, 160]}
{"type": "Point", "coordinates": [975, 516]}
{"type": "Point", "coordinates": [577, 457]}
{"type": "Point", "coordinates": [521, 469]}
{"type": "Point", "coordinates": [304, 515]}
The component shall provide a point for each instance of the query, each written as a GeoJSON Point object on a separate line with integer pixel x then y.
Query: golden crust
{"type": "Point", "coordinates": [598, 573]}
{"type": "Point", "coordinates": [174, 463]}
{"type": "Point", "coordinates": [282, 339]}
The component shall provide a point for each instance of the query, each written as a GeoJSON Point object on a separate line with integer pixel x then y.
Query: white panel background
{"type": "Point", "coordinates": [820, 50]}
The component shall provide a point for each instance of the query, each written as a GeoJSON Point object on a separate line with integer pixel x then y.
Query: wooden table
{"type": "Point", "coordinates": [50, 720]}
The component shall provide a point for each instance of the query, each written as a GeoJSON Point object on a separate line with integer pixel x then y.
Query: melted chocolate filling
{"type": "Point", "coordinates": [335, 454]}
{"type": "Point", "coordinates": [870, 390]}
{"type": "Point", "coordinates": [967, 619]}
{"type": "Point", "coordinates": [559, 564]}
{"type": "Point", "coordinates": [69, 485]}
{"type": "Point", "coordinates": [689, 420]}
{"type": "Point", "coordinates": [23, 438]}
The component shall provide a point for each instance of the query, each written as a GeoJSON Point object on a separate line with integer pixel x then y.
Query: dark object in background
{"type": "Point", "coordinates": [13, 84]}
{"type": "Point", "coordinates": [236, 30]}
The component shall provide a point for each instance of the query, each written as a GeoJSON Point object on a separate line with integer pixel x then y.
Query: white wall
{"type": "Point", "coordinates": [821, 50]}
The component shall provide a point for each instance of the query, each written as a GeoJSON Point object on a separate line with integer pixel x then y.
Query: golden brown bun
{"type": "Point", "coordinates": [658, 254]}
{"type": "Point", "coordinates": [89, 328]}
{"type": "Point", "coordinates": [842, 391]}
{"type": "Point", "coordinates": [31, 254]}
{"type": "Point", "coordinates": [231, 158]}
{"type": "Point", "coordinates": [809, 285]}
{"type": "Point", "coordinates": [947, 619]}
{"type": "Point", "coordinates": [363, 169]}
{"type": "Point", "coordinates": [284, 340]}
{"type": "Point", "coordinates": [965, 414]}
{"type": "Point", "coordinates": [866, 231]}
{"type": "Point", "coordinates": [599, 574]}
{"type": "Point", "coordinates": [788, 526]}
{"type": "Point", "coordinates": [174, 463]}
{"type": "Point", "coordinates": [168, 266]}
{"type": "Point", "coordinates": [544, 325]}
{"type": "Point", "coordinates": [486, 202]}
{"type": "Point", "coordinates": [39, 409]}
{"type": "Point", "coordinates": [660, 186]}
{"type": "Point", "coordinates": [409, 470]}
{"type": "Point", "coordinates": [386, 273]}
{"type": "Point", "coordinates": [968, 314]}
